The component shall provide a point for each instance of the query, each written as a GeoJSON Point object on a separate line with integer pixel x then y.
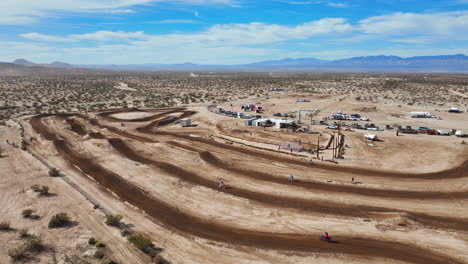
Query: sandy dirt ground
{"type": "Point", "coordinates": [407, 204]}
{"type": "Point", "coordinates": [20, 170]}
{"type": "Point", "coordinates": [164, 180]}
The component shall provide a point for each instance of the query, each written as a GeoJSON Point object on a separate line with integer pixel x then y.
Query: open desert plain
{"type": "Point", "coordinates": [185, 168]}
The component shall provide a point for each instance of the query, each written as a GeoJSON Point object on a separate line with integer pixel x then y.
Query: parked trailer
{"type": "Point", "coordinates": [186, 122]}
{"type": "Point", "coordinates": [421, 115]}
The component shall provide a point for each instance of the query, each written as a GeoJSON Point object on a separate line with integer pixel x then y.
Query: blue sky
{"type": "Point", "coordinates": [227, 31]}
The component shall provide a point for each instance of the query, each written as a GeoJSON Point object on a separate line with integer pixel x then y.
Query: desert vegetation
{"type": "Point", "coordinates": [24, 95]}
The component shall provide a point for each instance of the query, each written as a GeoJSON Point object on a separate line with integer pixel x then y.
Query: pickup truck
{"type": "Point", "coordinates": [407, 130]}
{"type": "Point", "coordinates": [423, 129]}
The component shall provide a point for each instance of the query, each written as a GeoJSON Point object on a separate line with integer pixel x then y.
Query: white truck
{"type": "Point", "coordinates": [460, 133]}
{"type": "Point", "coordinates": [371, 137]}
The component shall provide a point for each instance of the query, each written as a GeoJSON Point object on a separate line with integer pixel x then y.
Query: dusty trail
{"type": "Point", "coordinates": [108, 115]}
{"type": "Point", "coordinates": [191, 225]}
{"type": "Point", "coordinates": [77, 127]}
{"type": "Point", "coordinates": [302, 204]}
{"type": "Point", "coordinates": [290, 202]}
{"type": "Point", "coordinates": [211, 159]}
{"type": "Point", "coordinates": [454, 173]}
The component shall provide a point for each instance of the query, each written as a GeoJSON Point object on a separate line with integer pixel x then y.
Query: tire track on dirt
{"type": "Point", "coordinates": [309, 205]}
{"type": "Point", "coordinates": [302, 204]}
{"type": "Point", "coordinates": [453, 173]}
{"type": "Point", "coordinates": [173, 218]}
{"type": "Point", "coordinates": [211, 159]}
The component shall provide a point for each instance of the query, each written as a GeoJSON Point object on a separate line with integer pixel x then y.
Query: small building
{"type": "Point", "coordinates": [420, 115]}
{"type": "Point", "coordinates": [281, 123]}
{"type": "Point", "coordinates": [185, 122]}
{"type": "Point", "coordinates": [249, 122]}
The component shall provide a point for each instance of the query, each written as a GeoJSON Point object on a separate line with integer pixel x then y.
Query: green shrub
{"type": "Point", "coordinates": [34, 244]}
{"type": "Point", "coordinates": [92, 241]}
{"type": "Point", "coordinates": [17, 253]}
{"type": "Point", "coordinates": [124, 232]}
{"type": "Point", "coordinates": [100, 245]}
{"type": "Point", "coordinates": [140, 241]}
{"type": "Point", "coordinates": [24, 233]}
{"type": "Point", "coordinates": [35, 187]}
{"type": "Point", "coordinates": [54, 172]}
{"type": "Point", "coordinates": [27, 213]}
{"type": "Point", "coordinates": [44, 190]}
{"type": "Point", "coordinates": [113, 220]}
{"type": "Point", "coordinates": [59, 220]}
{"type": "Point", "coordinates": [4, 226]}
{"type": "Point", "coordinates": [107, 260]}
{"type": "Point", "coordinates": [99, 254]}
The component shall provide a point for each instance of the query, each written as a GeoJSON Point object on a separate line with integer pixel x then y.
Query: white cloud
{"type": "Point", "coordinates": [337, 4]}
{"type": "Point", "coordinates": [412, 40]}
{"type": "Point", "coordinates": [45, 38]}
{"type": "Point", "coordinates": [332, 4]}
{"type": "Point", "coordinates": [224, 35]}
{"type": "Point", "coordinates": [443, 24]}
{"type": "Point", "coordinates": [96, 36]}
{"type": "Point", "coordinates": [175, 21]}
{"type": "Point", "coordinates": [17, 12]}
{"type": "Point", "coordinates": [230, 43]}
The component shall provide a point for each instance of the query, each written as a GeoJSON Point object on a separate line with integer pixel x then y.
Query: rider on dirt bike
{"type": "Point", "coordinates": [291, 179]}
{"type": "Point", "coordinates": [221, 184]}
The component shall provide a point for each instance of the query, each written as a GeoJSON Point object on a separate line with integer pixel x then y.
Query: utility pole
{"type": "Point", "coordinates": [318, 146]}
{"type": "Point", "coordinates": [333, 146]}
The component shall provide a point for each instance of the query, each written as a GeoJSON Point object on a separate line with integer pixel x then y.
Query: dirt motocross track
{"type": "Point", "coordinates": [149, 140]}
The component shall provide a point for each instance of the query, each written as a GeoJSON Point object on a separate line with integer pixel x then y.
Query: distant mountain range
{"type": "Point", "coordinates": [445, 63]}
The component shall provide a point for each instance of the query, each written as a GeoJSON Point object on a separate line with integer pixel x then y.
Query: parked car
{"type": "Point", "coordinates": [454, 110]}
{"type": "Point", "coordinates": [333, 126]}
{"type": "Point", "coordinates": [363, 118]}
{"type": "Point", "coordinates": [432, 132]}
{"type": "Point", "coordinates": [407, 130]}
{"type": "Point", "coordinates": [443, 132]}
